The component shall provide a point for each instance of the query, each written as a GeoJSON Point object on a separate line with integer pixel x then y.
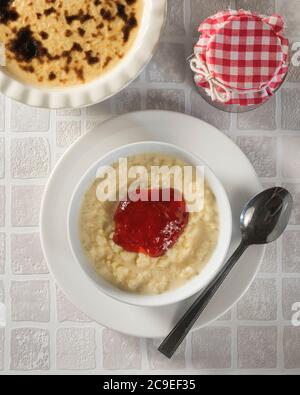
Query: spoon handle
{"type": "Point", "coordinates": [184, 325]}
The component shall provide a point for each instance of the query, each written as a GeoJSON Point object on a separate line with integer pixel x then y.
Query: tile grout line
{"type": "Point", "coordinates": [94, 324]}
{"type": "Point", "coordinates": [234, 337]}
{"type": "Point", "coordinates": [279, 111]}
{"type": "Point", "coordinates": [7, 351]}
{"type": "Point", "coordinates": [279, 255]}
{"type": "Point", "coordinates": [51, 323]}
{"type": "Point", "coordinates": [52, 285]}
{"type": "Point", "coordinates": [144, 354]}
{"type": "Point", "coordinates": [280, 328]}
{"type": "Point", "coordinates": [99, 348]}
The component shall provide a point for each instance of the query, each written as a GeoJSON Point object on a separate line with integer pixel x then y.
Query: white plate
{"type": "Point", "coordinates": [225, 159]}
{"type": "Point", "coordinates": [110, 83]}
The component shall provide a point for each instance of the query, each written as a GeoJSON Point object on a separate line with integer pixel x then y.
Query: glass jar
{"type": "Point", "coordinates": [240, 60]}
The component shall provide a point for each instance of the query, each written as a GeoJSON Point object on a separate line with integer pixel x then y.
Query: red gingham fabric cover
{"type": "Point", "coordinates": [246, 52]}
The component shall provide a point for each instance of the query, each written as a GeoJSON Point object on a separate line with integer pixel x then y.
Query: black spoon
{"type": "Point", "coordinates": [262, 221]}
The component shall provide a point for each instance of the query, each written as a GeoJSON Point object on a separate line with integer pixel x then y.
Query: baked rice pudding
{"type": "Point", "coordinates": [138, 267]}
{"type": "Point", "coordinates": [66, 42]}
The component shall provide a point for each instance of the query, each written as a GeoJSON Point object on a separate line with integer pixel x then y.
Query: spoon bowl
{"type": "Point", "coordinates": [266, 216]}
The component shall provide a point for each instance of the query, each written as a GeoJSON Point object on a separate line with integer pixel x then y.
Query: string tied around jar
{"type": "Point", "coordinates": [217, 90]}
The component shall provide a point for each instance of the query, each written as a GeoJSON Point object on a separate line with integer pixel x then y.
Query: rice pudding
{"type": "Point", "coordinates": [66, 42]}
{"type": "Point", "coordinates": [139, 270]}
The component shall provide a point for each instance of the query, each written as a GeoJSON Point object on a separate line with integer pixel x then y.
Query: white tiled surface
{"type": "Point", "coordinates": [45, 332]}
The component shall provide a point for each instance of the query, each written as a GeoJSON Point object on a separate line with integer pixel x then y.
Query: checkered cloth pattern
{"type": "Point", "coordinates": [245, 55]}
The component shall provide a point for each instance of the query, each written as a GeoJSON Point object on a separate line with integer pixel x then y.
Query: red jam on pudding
{"type": "Point", "coordinates": [150, 227]}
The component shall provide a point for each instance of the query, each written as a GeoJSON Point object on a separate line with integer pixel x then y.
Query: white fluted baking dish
{"type": "Point", "coordinates": [103, 87]}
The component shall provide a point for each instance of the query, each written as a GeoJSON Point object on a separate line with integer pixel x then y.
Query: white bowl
{"type": "Point", "coordinates": [195, 284]}
{"type": "Point", "coordinates": [105, 86]}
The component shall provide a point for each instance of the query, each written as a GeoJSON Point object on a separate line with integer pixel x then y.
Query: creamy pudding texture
{"type": "Point", "coordinates": [138, 272]}
{"type": "Point", "coordinates": [66, 42]}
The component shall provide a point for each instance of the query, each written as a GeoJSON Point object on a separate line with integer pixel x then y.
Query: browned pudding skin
{"type": "Point", "coordinates": [50, 11]}
{"type": "Point", "coordinates": [25, 45]}
{"type": "Point", "coordinates": [44, 35]}
{"type": "Point", "coordinates": [90, 58]}
{"type": "Point", "coordinates": [7, 12]}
